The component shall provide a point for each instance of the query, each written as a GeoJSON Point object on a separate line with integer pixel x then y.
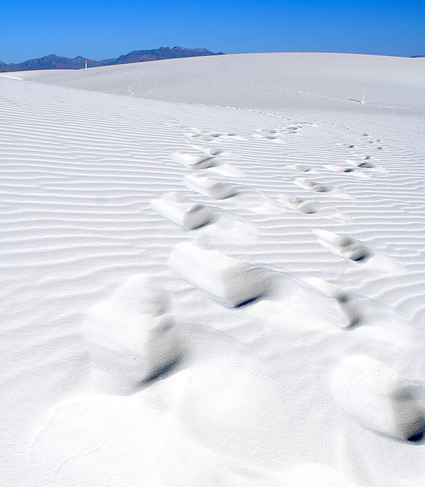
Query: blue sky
{"type": "Point", "coordinates": [101, 29]}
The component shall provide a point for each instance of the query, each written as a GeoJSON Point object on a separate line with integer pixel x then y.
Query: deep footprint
{"type": "Point", "coordinates": [343, 246]}
{"type": "Point", "coordinates": [366, 316]}
{"type": "Point", "coordinates": [194, 161]}
{"type": "Point", "coordinates": [182, 211]}
{"type": "Point", "coordinates": [309, 208]}
{"type": "Point", "coordinates": [131, 337]}
{"type": "Point", "coordinates": [209, 187]}
{"type": "Point", "coordinates": [312, 186]}
{"type": "Point", "coordinates": [224, 279]}
{"type": "Point", "coordinates": [352, 249]}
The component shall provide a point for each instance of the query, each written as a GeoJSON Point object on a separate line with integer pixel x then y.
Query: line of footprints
{"type": "Point", "coordinates": [140, 342]}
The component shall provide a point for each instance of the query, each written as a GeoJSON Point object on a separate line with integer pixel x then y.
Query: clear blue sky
{"type": "Point", "coordinates": [101, 29]}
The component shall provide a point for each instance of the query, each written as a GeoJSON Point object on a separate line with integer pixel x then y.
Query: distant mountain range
{"type": "Point", "coordinates": [56, 62]}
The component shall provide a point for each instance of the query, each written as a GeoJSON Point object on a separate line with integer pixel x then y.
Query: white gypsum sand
{"type": "Point", "coordinates": [227, 294]}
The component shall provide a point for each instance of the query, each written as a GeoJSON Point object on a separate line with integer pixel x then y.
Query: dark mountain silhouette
{"type": "Point", "coordinates": [4, 67]}
{"type": "Point", "coordinates": [57, 62]}
{"type": "Point", "coordinates": [161, 53]}
{"type": "Point", "coordinates": [54, 62]}
{"type": "Point", "coordinates": [421, 55]}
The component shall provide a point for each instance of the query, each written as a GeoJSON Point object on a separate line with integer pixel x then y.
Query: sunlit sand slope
{"type": "Point", "coordinates": [266, 81]}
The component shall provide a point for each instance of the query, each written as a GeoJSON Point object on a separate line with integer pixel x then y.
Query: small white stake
{"type": "Point", "coordinates": [363, 96]}
{"type": "Point", "coordinates": [85, 65]}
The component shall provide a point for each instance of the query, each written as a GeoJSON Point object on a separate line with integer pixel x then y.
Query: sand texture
{"type": "Point", "coordinates": [213, 273]}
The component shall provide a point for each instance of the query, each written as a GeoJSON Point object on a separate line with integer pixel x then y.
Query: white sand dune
{"type": "Point", "coordinates": [217, 279]}
{"type": "Point", "coordinates": [272, 81]}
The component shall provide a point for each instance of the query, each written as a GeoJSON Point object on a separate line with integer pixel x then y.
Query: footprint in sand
{"type": "Point", "coordinates": [207, 186]}
{"type": "Point", "coordinates": [312, 186]}
{"type": "Point", "coordinates": [367, 317]}
{"type": "Point", "coordinates": [290, 129]}
{"type": "Point", "coordinates": [198, 134]}
{"type": "Point", "coordinates": [233, 135]}
{"type": "Point", "coordinates": [205, 136]}
{"type": "Point", "coordinates": [214, 223]}
{"type": "Point", "coordinates": [378, 398]}
{"type": "Point", "coordinates": [320, 188]}
{"type": "Point", "coordinates": [346, 146]}
{"type": "Point", "coordinates": [310, 208]}
{"type": "Point", "coordinates": [182, 211]}
{"type": "Point", "coordinates": [351, 170]}
{"type": "Point", "coordinates": [365, 163]}
{"type": "Point", "coordinates": [131, 337]}
{"type": "Point", "coordinates": [194, 161]}
{"type": "Point", "coordinates": [352, 249]}
{"type": "Point", "coordinates": [214, 151]}
{"type": "Point", "coordinates": [224, 279]}
{"type": "Point", "coordinates": [269, 134]}
{"type": "Point", "coordinates": [206, 161]}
